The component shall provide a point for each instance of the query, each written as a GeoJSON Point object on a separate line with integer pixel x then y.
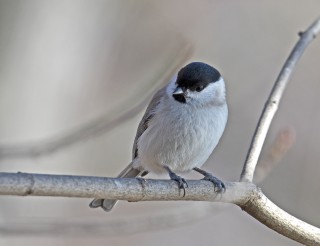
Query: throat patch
{"type": "Point", "coordinates": [180, 98]}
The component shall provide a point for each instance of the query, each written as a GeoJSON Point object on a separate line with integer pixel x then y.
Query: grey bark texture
{"type": "Point", "coordinates": [273, 101]}
{"type": "Point", "coordinates": [245, 194]}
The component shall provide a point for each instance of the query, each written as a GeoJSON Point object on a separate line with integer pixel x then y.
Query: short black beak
{"type": "Point", "coordinates": [177, 91]}
{"type": "Point", "coordinates": [178, 95]}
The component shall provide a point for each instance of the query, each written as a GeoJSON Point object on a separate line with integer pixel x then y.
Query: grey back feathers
{"type": "Point", "coordinates": [129, 171]}
{"type": "Point", "coordinates": [148, 115]}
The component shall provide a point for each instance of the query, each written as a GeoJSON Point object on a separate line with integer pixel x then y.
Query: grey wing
{"type": "Point", "coordinates": [129, 171]}
{"type": "Point", "coordinates": [148, 115]}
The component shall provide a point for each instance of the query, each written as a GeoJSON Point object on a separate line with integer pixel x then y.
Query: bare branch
{"type": "Point", "coordinates": [100, 125]}
{"type": "Point", "coordinates": [134, 190]}
{"type": "Point", "coordinates": [273, 101]}
{"type": "Point", "coordinates": [244, 194]}
{"type": "Point", "coordinates": [261, 208]}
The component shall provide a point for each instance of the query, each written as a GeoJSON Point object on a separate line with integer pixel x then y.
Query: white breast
{"type": "Point", "coordinates": [180, 137]}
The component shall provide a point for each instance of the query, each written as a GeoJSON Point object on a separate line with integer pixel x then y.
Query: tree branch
{"type": "Point", "coordinates": [244, 194]}
{"type": "Point", "coordinates": [273, 101]}
{"type": "Point", "coordinates": [269, 214]}
{"type": "Point", "coordinates": [134, 190]}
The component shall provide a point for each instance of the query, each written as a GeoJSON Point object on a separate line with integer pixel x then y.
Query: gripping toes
{"type": "Point", "coordinates": [218, 184]}
{"type": "Point", "coordinates": [182, 184]}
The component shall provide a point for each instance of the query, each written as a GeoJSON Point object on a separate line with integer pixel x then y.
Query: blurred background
{"type": "Point", "coordinates": [75, 77]}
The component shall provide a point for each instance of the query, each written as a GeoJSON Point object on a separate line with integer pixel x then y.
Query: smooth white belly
{"type": "Point", "coordinates": [181, 140]}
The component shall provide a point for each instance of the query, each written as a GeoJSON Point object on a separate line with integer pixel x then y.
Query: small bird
{"type": "Point", "coordinates": [180, 128]}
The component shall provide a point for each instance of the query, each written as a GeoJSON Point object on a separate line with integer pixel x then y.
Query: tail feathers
{"type": "Point", "coordinates": [129, 172]}
{"type": "Point", "coordinates": [107, 205]}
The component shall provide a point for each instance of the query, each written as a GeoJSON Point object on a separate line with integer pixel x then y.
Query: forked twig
{"type": "Point", "coordinates": [273, 101]}
{"type": "Point", "coordinates": [244, 194]}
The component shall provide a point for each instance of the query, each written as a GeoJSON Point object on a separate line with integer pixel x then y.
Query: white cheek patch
{"type": "Point", "coordinates": [209, 91]}
{"type": "Point", "coordinates": [220, 92]}
{"type": "Point", "coordinates": [213, 93]}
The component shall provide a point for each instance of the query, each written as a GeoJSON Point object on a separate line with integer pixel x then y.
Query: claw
{"type": "Point", "coordinates": [142, 181]}
{"type": "Point", "coordinates": [182, 183]}
{"type": "Point", "coordinates": [218, 184]}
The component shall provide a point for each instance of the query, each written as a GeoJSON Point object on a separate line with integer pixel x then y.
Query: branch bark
{"type": "Point", "coordinates": [273, 101]}
{"type": "Point", "coordinates": [133, 190]}
{"type": "Point", "coordinates": [244, 194]}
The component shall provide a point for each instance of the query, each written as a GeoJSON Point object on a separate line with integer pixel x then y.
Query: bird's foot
{"type": "Point", "coordinates": [182, 183]}
{"type": "Point", "coordinates": [218, 184]}
{"type": "Point", "coordinates": [142, 181]}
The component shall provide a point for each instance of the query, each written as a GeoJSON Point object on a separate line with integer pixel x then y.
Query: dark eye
{"type": "Point", "coordinates": [199, 88]}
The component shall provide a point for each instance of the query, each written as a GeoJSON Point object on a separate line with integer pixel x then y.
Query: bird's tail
{"type": "Point", "coordinates": [107, 205]}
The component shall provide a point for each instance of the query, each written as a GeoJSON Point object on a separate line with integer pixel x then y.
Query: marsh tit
{"type": "Point", "coordinates": [180, 128]}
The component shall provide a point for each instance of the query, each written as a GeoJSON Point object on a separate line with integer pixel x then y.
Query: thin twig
{"type": "Point", "coordinates": [244, 194]}
{"type": "Point", "coordinates": [273, 101]}
{"type": "Point", "coordinates": [100, 125]}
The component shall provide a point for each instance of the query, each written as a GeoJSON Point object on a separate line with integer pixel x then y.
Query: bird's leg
{"type": "Point", "coordinates": [182, 183]}
{"type": "Point", "coordinates": [218, 184]}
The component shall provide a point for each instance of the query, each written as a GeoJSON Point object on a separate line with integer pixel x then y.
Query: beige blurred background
{"type": "Point", "coordinates": [64, 64]}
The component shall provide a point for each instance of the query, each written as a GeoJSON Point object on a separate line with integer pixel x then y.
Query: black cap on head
{"type": "Point", "coordinates": [197, 74]}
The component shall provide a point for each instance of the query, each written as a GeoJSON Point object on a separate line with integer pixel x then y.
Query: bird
{"type": "Point", "coordinates": [180, 128]}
